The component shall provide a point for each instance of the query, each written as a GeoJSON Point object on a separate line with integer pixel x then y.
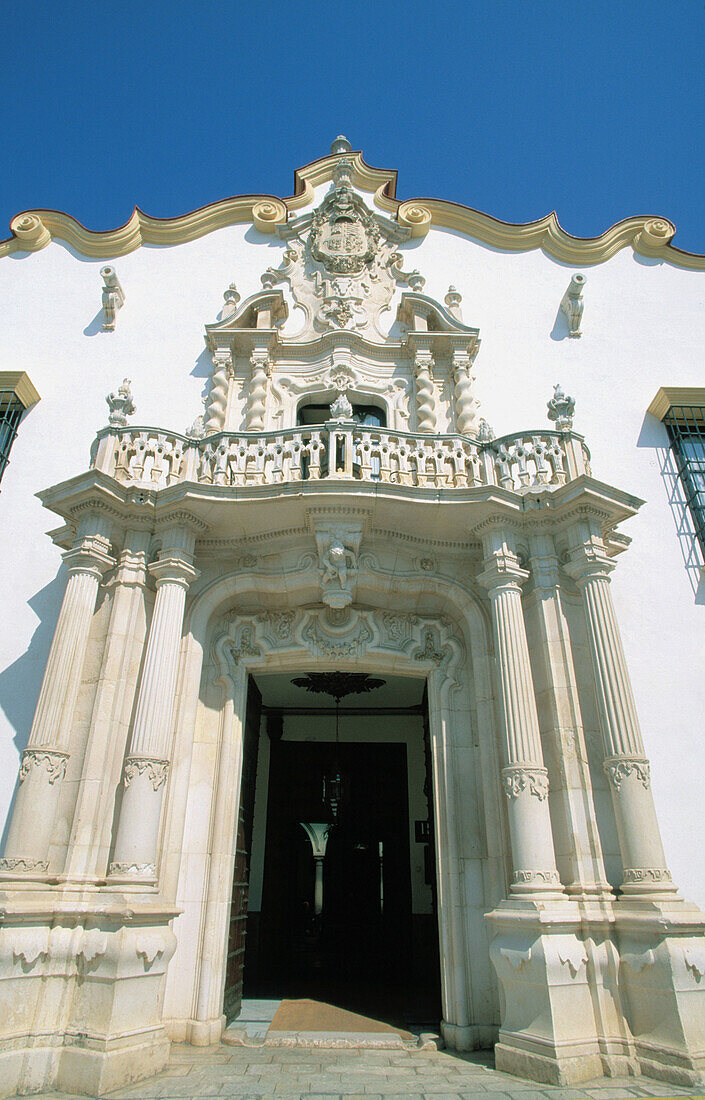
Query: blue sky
{"type": "Point", "coordinates": [594, 109]}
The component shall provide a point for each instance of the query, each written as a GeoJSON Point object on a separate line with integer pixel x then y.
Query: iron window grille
{"type": "Point", "coordinates": [11, 410]}
{"type": "Point", "coordinates": [685, 425]}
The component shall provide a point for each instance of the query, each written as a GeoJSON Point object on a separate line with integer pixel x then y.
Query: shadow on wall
{"type": "Point", "coordinates": [653, 435]}
{"type": "Point", "coordinates": [20, 682]}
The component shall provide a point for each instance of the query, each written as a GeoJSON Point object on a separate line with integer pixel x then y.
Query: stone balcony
{"type": "Point", "coordinates": [339, 451]}
{"type": "Point", "coordinates": [237, 487]}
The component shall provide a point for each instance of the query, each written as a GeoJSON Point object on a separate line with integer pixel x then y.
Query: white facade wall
{"type": "Point", "coordinates": [643, 326]}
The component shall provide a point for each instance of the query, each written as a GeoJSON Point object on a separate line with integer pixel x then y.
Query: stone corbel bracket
{"type": "Point", "coordinates": [572, 305]}
{"type": "Point", "coordinates": [113, 297]}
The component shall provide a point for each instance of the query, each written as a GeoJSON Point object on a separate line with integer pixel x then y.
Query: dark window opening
{"type": "Point", "coordinates": [367, 415]}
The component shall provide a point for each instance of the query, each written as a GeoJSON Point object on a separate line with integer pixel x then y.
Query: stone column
{"type": "Point", "coordinates": [147, 763]}
{"type": "Point", "coordinates": [524, 777]}
{"type": "Point", "coordinates": [44, 761]}
{"type": "Point", "coordinates": [90, 837]}
{"type": "Point", "coordinates": [645, 872]}
{"type": "Point", "coordinates": [425, 393]}
{"type": "Point", "coordinates": [466, 404]}
{"type": "Point", "coordinates": [579, 851]}
{"type": "Point", "coordinates": [257, 393]}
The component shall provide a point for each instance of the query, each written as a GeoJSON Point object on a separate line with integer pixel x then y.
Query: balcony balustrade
{"type": "Point", "coordinates": [335, 451]}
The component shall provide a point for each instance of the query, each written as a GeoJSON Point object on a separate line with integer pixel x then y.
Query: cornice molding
{"type": "Point", "coordinates": [19, 383]}
{"type": "Point", "coordinates": [648, 235]}
{"type": "Point", "coordinates": [678, 397]}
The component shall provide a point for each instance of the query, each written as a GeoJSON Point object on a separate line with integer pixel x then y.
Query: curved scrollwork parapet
{"type": "Point", "coordinates": [268, 214]}
{"type": "Point", "coordinates": [654, 237]}
{"type": "Point", "coordinates": [412, 215]}
{"type": "Point", "coordinates": [30, 232]}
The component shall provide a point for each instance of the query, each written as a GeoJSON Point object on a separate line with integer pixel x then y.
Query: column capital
{"type": "Point", "coordinates": [90, 555]}
{"type": "Point", "coordinates": [502, 571]}
{"type": "Point", "coordinates": [174, 568]}
{"type": "Point", "coordinates": [588, 563]}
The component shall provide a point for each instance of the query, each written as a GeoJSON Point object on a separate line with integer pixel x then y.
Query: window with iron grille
{"type": "Point", "coordinates": [11, 410]}
{"type": "Point", "coordinates": [685, 425]}
{"type": "Point", "coordinates": [17, 394]}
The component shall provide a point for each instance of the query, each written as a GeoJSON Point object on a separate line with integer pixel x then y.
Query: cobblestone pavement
{"type": "Point", "coordinates": [264, 1073]}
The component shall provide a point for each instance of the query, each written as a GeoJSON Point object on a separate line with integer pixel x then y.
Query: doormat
{"type": "Point", "coordinates": [307, 1015]}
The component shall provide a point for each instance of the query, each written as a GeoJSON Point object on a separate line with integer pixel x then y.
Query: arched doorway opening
{"type": "Point", "coordinates": [334, 897]}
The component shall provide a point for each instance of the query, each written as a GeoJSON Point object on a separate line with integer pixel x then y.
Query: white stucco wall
{"type": "Point", "coordinates": [643, 325]}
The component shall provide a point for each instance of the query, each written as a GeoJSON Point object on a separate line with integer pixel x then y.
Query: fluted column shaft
{"type": "Point", "coordinates": [44, 761]}
{"type": "Point", "coordinates": [524, 777]}
{"type": "Point", "coordinates": [147, 763]}
{"type": "Point", "coordinates": [580, 853]}
{"type": "Point", "coordinates": [626, 765]}
{"type": "Point", "coordinates": [425, 394]}
{"type": "Point", "coordinates": [104, 756]}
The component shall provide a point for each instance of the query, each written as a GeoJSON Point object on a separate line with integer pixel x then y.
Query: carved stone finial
{"type": "Point", "coordinates": [231, 299]}
{"type": "Point", "coordinates": [572, 304]}
{"type": "Point", "coordinates": [485, 433]}
{"type": "Point", "coordinates": [342, 173]}
{"type": "Point", "coordinates": [113, 297]}
{"type": "Point", "coordinates": [453, 299]}
{"type": "Point", "coordinates": [341, 145]}
{"type": "Point", "coordinates": [341, 409]}
{"type": "Point", "coordinates": [416, 282]}
{"type": "Point", "coordinates": [561, 409]}
{"type": "Point", "coordinates": [121, 405]}
{"type": "Point", "coordinates": [198, 428]}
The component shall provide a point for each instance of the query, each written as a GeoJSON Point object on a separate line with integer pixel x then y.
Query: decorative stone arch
{"type": "Point", "coordinates": [246, 623]}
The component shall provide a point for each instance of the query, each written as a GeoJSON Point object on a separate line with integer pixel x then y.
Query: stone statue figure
{"type": "Point", "coordinates": [336, 562]}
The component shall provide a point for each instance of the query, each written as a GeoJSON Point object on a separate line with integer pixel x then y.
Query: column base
{"type": "Point", "coordinates": [550, 1032]}
{"type": "Point", "coordinates": [93, 1070]}
{"type": "Point", "coordinates": [662, 953]}
{"type": "Point", "coordinates": [468, 1036]}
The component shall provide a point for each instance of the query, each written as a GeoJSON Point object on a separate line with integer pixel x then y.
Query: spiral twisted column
{"type": "Point", "coordinates": [524, 777]}
{"type": "Point", "coordinates": [627, 767]}
{"type": "Point", "coordinates": [217, 403]}
{"type": "Point", "coordinates": [425, 393]}
{"type": "Point", "coordinates": [147, 763]}
{"type": "Point", "coordinates": [257, 393]}
{"type": "Point", "coordinates": [44, 761]}
{"type": "Point", "coordinates": [466, 404]}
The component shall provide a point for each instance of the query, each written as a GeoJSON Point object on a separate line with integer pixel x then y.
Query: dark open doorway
{"type": "Point", "coordinates": [373, 947]}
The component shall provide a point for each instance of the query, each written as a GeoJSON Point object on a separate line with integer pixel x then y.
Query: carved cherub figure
{"type": "Point", "coordinates": [336, 562]}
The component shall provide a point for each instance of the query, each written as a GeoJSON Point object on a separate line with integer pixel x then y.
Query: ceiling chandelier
{"type": "Point", "coordinates": [337, 685]}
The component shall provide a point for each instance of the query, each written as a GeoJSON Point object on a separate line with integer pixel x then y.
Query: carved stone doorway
{"type": "Point", "coordinates": [373, 947]}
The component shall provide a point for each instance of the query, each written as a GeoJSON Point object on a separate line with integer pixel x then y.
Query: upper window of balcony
{"type": "Point", "coordinates": [17, 394]}
{"type": "Point", "coordinates": [368, 415]}
{"type": "Point", "coordinates": [683, 414]}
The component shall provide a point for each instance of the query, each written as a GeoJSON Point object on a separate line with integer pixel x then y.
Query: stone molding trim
{"type": "Point", "coordinates": [523, 877]}
{"type": "Point", "coordinates": [618, 768]}
{"type": "Point", "coordinates": [646, 874]}
{"type": "Point", "coordinates": [137, 870]}
{"type": "Point", "coordinates": [54, 763]}
{"type": "Point", "coordinates": [19, 863]}
{"type": "Point", "coordinates": [516, 780]}
{"type": "Point", "coordinates": [351, 633]}
{"type": "Point", "coordinates": [650, 236]}
{"type": "Point", "coordinates": [155, 770]}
